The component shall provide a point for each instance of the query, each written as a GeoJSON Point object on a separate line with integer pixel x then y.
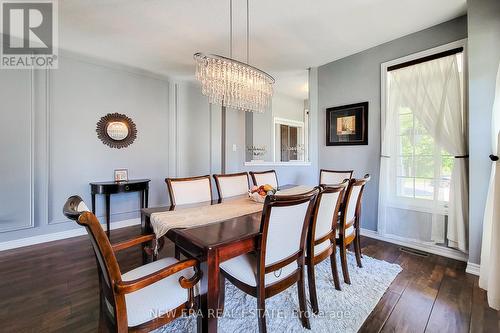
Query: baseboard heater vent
{"type": "Point", "coordinates": [413, 251]}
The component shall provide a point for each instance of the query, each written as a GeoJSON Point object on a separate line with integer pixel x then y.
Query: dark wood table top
{"type": "Point", "coordinates": [214, 235]}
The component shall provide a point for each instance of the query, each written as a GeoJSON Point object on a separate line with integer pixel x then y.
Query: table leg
{"type": "Point", "coordinates": [142, 198]}
{"type": "Point", "coordinates": [146, 197]}
{"type": "Point", "coordinates": [108, 199]}
{"type": "Point", "coordinates": [144, 231]}
{"type": "Point", "coordinates": [93, 203]}
{"type": "Point", "coordinates": [210, 308]}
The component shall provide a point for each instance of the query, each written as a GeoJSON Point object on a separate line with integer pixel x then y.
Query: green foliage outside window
{"type": "Point", "coordinates": [417, 151]}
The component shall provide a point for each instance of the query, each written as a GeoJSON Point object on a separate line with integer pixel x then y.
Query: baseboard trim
{"type": "Point", "coordinates": [22, 242]}
{"type": "Point", "coordinates": [434, 249]}
{"type": "Point", "coordinates": [472, 268]}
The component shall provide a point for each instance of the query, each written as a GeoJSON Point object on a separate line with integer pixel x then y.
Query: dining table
{"type": "Point", "coordinates": [211, 243]}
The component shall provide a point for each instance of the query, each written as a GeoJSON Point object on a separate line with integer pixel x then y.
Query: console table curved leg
{"type": "Point", "coordinates": [93, 203]}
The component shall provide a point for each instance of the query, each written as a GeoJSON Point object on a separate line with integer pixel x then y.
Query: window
{"type": "Point", "coordinates": [424, 148]}
{"type": "Point", "coordinates": [423, 170]}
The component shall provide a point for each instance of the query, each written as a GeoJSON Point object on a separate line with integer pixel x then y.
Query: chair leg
{"type": "Point", "coordinates": [177, 253]}
{"type": "Point", "coordinates": [335, 272]}
{"type": "Point", "coordinates": [359, 242]}
{"type": "Point", "coordinates": [304, 316]}
{"type": "Point", "coordinates": [311, 280]}
{"type": "Point", "coordinates": [343, 259]}
{"type": "Point", "coordinates": [222, 292]}
{"type": "Point", "coordinates": [357, 251]}
{"type": "Point", "coordinates": [102, 327]}
{"type": "Point", "coordinates": [202, 314]}
{"type": "Point", "coordinates": [261, 310]}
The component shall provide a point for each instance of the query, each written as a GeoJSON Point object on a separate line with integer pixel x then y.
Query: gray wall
{"type": "Point", "coordinates": [261, 124]}
{"type": "Point", "coordinates": [50, 149]}
{"type": "Point", "coordinates": [357, 79]}
{"type": "Point", "coordinates": [305, 174]}
{"type": "Point", "coordinates": [484, 57]}
{"type": "Point", "coordinates": [66, 104]}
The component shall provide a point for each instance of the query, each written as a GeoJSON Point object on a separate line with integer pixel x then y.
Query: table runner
{"type": "Point", "coordinates": [196, 216]}
{"type": "Point", "coordinates": [162, 222]}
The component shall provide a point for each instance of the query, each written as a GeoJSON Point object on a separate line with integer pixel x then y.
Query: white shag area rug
{"type": "Point", "coordinates": [340, 311]}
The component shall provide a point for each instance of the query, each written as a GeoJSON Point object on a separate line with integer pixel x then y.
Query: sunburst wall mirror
{"type": "Point", "coordinates": [116, 130]}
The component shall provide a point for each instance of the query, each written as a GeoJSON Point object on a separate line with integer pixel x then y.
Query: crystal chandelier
{"type": "Point", "coordinates": [232, 83]}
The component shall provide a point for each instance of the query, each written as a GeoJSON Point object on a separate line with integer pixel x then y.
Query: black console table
{"type": "Point", "coordinates": [108, 188]}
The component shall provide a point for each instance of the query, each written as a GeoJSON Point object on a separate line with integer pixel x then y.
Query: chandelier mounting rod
{"type": "Point", "coordinates": [248, 34]}
{"type": "Point", "coordinates": [230, 28]}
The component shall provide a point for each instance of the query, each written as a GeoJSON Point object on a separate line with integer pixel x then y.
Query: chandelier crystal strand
{"type": "Point", "coordinates": [236, 84]}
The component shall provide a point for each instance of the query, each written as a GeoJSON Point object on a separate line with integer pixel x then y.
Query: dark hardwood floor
{"type": "Point", "coordinates": [53, 287]}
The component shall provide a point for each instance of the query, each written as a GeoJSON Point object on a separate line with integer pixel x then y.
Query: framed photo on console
{"type": "Point", "coordinates": [121, 175]}
{"type": "Point", "coordinates": [347, 125]}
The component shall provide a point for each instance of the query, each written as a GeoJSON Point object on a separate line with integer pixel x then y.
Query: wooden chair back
{"type": "Point", "coordinates": [332, 177]}
{"type": "Point", "coordinates": [351, 210]}
{"type": "Point", "coordinates": [108, 269]}
{"type": "Point", "coordinates": [325, 218]}
{"type": "Point", "coordinates": [265, 177]}
{"type": "Point", "coordinates": [189, 190]}
{"type": "Point", "coordinates": [285, 221]}
{"type": "Point", "coordinates": [230, 185]}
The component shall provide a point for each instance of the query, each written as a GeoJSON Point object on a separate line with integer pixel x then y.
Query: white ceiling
{"type": "Point", "coordinates": [286, 36]}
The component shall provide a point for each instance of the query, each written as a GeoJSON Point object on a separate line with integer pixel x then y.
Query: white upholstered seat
{"type": "Point", "coordinates": [348, 232]}
{"type": "Point", "coordinates": [188, 191]}
{"type": "Point", "coordinates": [244, 269]}
{"type": "Point", "coordinates": [350, 210]}
{"type": "Point", "coordinates": [82, 207]}
{"type": "Point", "coordinates": [157, 299]}
{"type": "Point", "coordinates": [232, 185]}
{"type": "Point", "coordinates": [284, 225]}
{"type": "Point", "coordinates": [324, 216]}
{"type": "Point", "coordinates": [323, 246]}
{"type": "Point", "coordinates": [268, 177]}
{"type": "Point", "coordinates": [283, 239]}
{"type": "Point", "coordinates": [330, 177]}
{"type": "Point", "coordinates": [324, 219]}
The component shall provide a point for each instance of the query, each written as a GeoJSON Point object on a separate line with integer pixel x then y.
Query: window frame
{"type": "Point", "coordinates": [417, 204]}
{"type": "Point", "coordinates": [300, 137]}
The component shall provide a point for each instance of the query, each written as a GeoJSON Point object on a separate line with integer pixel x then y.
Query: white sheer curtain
{"type": "Point", "coordinates": [432, 90]}
{"type": "Point", "coordinates": [489, 277]}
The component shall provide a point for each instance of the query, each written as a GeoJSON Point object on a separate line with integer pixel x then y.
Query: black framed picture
{"type": "Point", "coordinates": [347, 125]}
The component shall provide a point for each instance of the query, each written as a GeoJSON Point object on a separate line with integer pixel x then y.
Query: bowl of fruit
{"type": "Point", "coordinates": [259, 193]}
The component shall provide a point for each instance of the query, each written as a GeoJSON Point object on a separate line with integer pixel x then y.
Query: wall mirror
{"type": "Point", "coordinates": [281, 133]}
{"type": "Point", "coordinates": [116, 130]}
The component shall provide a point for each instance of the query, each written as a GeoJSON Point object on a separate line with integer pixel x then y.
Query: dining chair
{"type": "Point", "coordinates": [146, 297]}
{"type": "Point", "coordinates": [230, 185]}
{"type": "Point", "coordinates": [349, 230]}
{"type": "Point", "coordinates": [321, 236]}
{"type": "Point", "coordinates": [265, 177]}
{"type": "Point", "coordinates": [189, 190]}
{"type": "Point", "coordinates": [279, 260]}
{"type": "Point", "coordinates": [331, 177]}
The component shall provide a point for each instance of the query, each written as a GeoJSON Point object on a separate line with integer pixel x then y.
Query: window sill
{"type": "Point", "coordinates": [298, 163]}
{"type": "Point", "coordinates": [418, 208]}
